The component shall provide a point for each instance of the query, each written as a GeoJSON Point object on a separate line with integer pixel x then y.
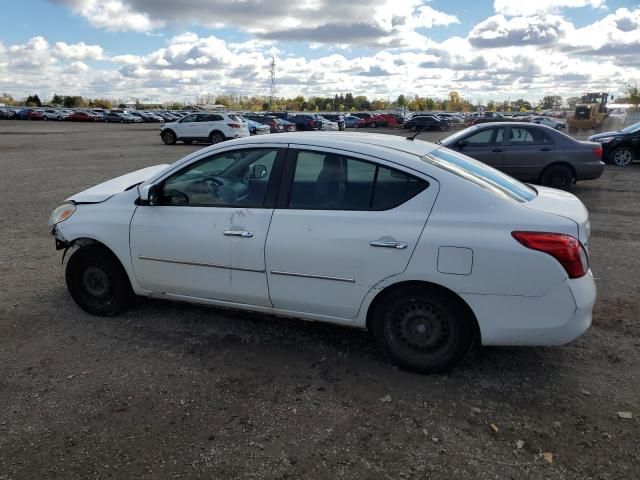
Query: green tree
{"type": "Point", "coordinates": [33, 101]}
{"type": "Point", "coordinates": [57, 99]}
{"type": "Point", "coordinates": [633, 95]}
{"type": "Point", "coordinates": [74, 102]}
{"type": "Point", "coordinates": [550, 102]}
{"type": "Point", "coordinates": [572, 102]}
{"type": "Point", "coordinates": [401, 101]}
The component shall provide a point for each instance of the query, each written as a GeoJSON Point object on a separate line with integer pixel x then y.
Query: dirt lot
{"type": "Point", "coordinates": [172, 390]}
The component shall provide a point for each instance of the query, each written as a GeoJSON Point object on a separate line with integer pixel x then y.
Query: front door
{"type": "Point", "coordinates": [485, 145]}
{"type": "Point", "coordinates": [347, 223]}
{"type": "Point", "coordinates": [187, 127]}
{"type": "Point", "coordinates": [206, 236]}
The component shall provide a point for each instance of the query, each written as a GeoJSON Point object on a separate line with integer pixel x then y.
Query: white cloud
{"type": "Point", "coordinates": [537, 7]}
{"type": "Point", "coordinates": [498, 31]}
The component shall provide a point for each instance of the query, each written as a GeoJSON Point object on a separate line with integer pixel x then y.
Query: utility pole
{"type": "Point", "coordinates": [272, 70]}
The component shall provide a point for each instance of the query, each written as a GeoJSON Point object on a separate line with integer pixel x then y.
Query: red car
{"type": "Point", "coordinates": [380, 120]}
{"type": "Point", "coordinates": [35, 115]}
{"type": "Point", "coordinates": [83, 117]}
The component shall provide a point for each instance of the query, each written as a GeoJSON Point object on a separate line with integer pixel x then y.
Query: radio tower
{"type": "Point", "coordinates": [272, 70]}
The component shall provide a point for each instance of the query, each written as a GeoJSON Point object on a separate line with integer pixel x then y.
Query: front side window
{"type": "Point", "coordinates": [236, 178]}
{"type": "Point", "coordinates": [189, 119]}
{"type": "Point", "coordinates": [329, 181]}
{"type": "Point", "coordinates": [483, 138]}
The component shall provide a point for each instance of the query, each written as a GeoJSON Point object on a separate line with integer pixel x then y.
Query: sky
{"type": "Point", "coordinates": [178, 50]}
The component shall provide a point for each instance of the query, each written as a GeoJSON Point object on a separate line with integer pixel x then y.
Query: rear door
{"type": "Point", "coordinates": [345, 223]}
{"type": "Point", "coordinates": [485, 145]}
{"type": "Point", "coordinates": [527, 151]}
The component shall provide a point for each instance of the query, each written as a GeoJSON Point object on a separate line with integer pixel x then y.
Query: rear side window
{"type": "Point", "coordinates": [328, 181]}
{"type": "Point", "coordinates": [481, 174]}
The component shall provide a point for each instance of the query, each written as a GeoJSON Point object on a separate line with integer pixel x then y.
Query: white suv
{"type": "Point", "coordinates": [206, 127]}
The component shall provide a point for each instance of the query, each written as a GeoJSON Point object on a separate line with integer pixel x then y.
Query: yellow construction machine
{"type": "Point", "coordinates": [590, 113]}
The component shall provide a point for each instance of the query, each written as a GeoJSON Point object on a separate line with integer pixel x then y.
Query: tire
{"type": "Point", "coordinates": [97, 281]}
{"type": "Point", "coordinates": [557, 176]}
{"type": "Point", "coordinates": [121, 121]}
{"type": "Point", "coordinates": [216, 137]}
{"type": "Point", "coordinates": [168, 137]}
{"type": "Point", "coordinates": [423, 329]}
{"type": "Point", "coordinates": [45, 118]}
{"type": "Point", "coordinates": [621, 157]}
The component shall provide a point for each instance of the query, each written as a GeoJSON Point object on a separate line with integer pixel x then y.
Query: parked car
{"type": "Point", "coordinates": [307, 121]}
{"type": "Point", "coordinates": [35, 114]}
{"type": "Point", "coordinates": [119, 117]}
{"type": "Point", "coordinates": [81, 116]}
{"type": "Point", "coordinates": [7, 114]}
{"type": "Point", "coordinates": [337, 118]}
{"type": "Point", "coordinates": [620, 147]}
{"type": "Point", "coordinates": [351, 120]}
{"type": "Point", "coordinates": [328, 125]}
{"type": "Point", "coordinates": [493, 261]}
{"type": "Point", "coordinates": [287, 126]}
{"type": "Point", "coordinates": [549, 122]}
{"type": "Point", "coordinates": [51, 114]}
{"type": "Point", "coordinates": [271, 122]}
{"type": "Point", "coordinates": [426, 122]}
{"type": "Point", "coordinates": [257, 128]}
{"type": "Point", "coordinates": [488, 117]}
{"type": "Point", "coordinates": [379, 120]}
{"type": "Point", "coordinates": [531, 153]}
{"type": "Point", "coordinates": [206, 127]}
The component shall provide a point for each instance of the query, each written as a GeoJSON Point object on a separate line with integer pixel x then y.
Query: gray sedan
{"type": "Point", "coordinates": [531, 153]}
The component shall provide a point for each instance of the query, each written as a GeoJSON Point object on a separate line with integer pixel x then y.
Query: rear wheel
{"type": "Point", "coordinates": [216, 137]}
{"type": "Point", "coordinates": [557, 176]}
{"type": "Point", "coordinates": [97, 281]}
{"type": "Point", "coordinates": [621, 156]}
{"type": "Point", "coordinates": [169, 137]}
{"type": "Point", "coordinates": [423, 329]}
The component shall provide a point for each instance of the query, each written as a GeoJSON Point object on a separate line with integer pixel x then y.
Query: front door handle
{"type": "Point", "coordinates": [497, 150]}
{"type": "Point", "coordinates": [238, 233]}
{"type": "Point", "coordinates": [388, 244]}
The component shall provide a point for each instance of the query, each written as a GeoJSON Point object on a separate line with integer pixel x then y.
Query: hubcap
{"type": "Point", "coordinates": [623, 157]}
{"type": "Point", "coordinates": [420, 327]}
{"type": "Point", "coordinates": [96, 281]}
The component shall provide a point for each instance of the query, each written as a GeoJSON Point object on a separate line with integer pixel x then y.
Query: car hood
{"type": "Point", "coordinates": [563, 204]}
{"type": "Point", "coordinates": [605, 134]}
{"type": "Point", "coordinates": [108, 189]}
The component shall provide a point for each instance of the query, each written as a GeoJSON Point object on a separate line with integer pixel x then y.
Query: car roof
{"type": "Point", "coordinates": [355, 141]}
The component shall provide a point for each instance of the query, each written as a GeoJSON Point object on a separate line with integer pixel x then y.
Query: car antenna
{"type": "Point", "coordinates": [412, 137]}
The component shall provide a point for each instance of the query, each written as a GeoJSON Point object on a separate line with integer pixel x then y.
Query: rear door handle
{"type": "Point", "coordinates": [388, 244]}
{"type": "Point", "coordinates": [497, 150]}
{"type": "Point", "coordinates": [238, 233]}
{"type": "Point", "coordinates": [545, 149]}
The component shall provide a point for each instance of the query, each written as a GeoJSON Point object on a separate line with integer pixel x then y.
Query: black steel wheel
{"type": "Point", "coordinates": [423, 329]}
{"type": "Point", "coordinates": [97, 281]}
{"type": "Point", "coordinates": [557, 176]}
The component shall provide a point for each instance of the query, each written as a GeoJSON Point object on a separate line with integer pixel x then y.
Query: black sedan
{"type": "Point", "coordinates": [531, 153]}
{"type": "Point", "coordinates": [620, 147]}
{"type": "Point", "coordinates": [426, 122]}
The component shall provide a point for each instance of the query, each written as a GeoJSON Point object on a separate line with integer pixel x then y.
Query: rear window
{"type": "Point", "coordinates": [235, 118]}
{"type": "Point", "coordinates": [480, 174]}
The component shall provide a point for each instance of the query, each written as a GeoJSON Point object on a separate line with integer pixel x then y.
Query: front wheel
{"type": "Point", "coordinates": [557, 176]}
{"type": "Point", "coordinates": [97, 281]}
{"type": "Point", "coordinates": [423, 329]}
{"type": "Point", "coordinates": [169, 137]}
{"type": "Point", "coordinates": [621, 156]}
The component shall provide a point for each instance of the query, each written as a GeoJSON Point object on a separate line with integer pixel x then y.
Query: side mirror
{"type": "Point", "coordinates": [462, 143]}
{"type": "Point", "coordinates": [149, 194]}
{"type": "Point", "coordinates": [259, 171]}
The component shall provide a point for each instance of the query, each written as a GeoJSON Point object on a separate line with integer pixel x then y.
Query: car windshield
{"type": "Point", "coordinates": [631, 128]}
{"type": "Point", "coordinates": [480, 174]}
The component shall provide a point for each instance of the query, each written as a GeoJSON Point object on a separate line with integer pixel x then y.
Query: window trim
{"type": "Point", "coordinates": [269, 200]}
{"type": "Point", "coordinates": [286, 186]}
{"type": "Point", "coordinates": [528, 129]}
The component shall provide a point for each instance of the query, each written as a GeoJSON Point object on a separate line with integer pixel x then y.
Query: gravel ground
{"type": "Point", "coordinates": [173, 390]}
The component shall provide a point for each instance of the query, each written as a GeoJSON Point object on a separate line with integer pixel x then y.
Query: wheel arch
{"type": "Point", "coordinates": [391, 289]}
{"type": "Point", "coordinates": [559, 164]}
{"type": "Point", "coordinates": [218, 131]}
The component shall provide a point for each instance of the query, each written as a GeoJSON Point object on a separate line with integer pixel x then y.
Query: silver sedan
{"type": "Point", "coordinates": [531, 153]}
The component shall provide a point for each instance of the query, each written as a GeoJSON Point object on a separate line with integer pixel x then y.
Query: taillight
{"type": "Point", "coordinates": [312, 123]}
{"type": "Point", "coordinates": [566, 249]}
{"type": "Point", "coordinates": [233, 125]}
{"type": "Point", "coordinates": [598, 152]}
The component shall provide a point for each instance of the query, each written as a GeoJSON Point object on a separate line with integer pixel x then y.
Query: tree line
{"type": "Point", "coordinates": [340, 103]}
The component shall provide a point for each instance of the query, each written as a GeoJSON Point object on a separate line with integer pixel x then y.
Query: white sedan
{"type": "Point", "coordinates": [549, 122]}
{"type": "Point", "coordinates": [428, 249]}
